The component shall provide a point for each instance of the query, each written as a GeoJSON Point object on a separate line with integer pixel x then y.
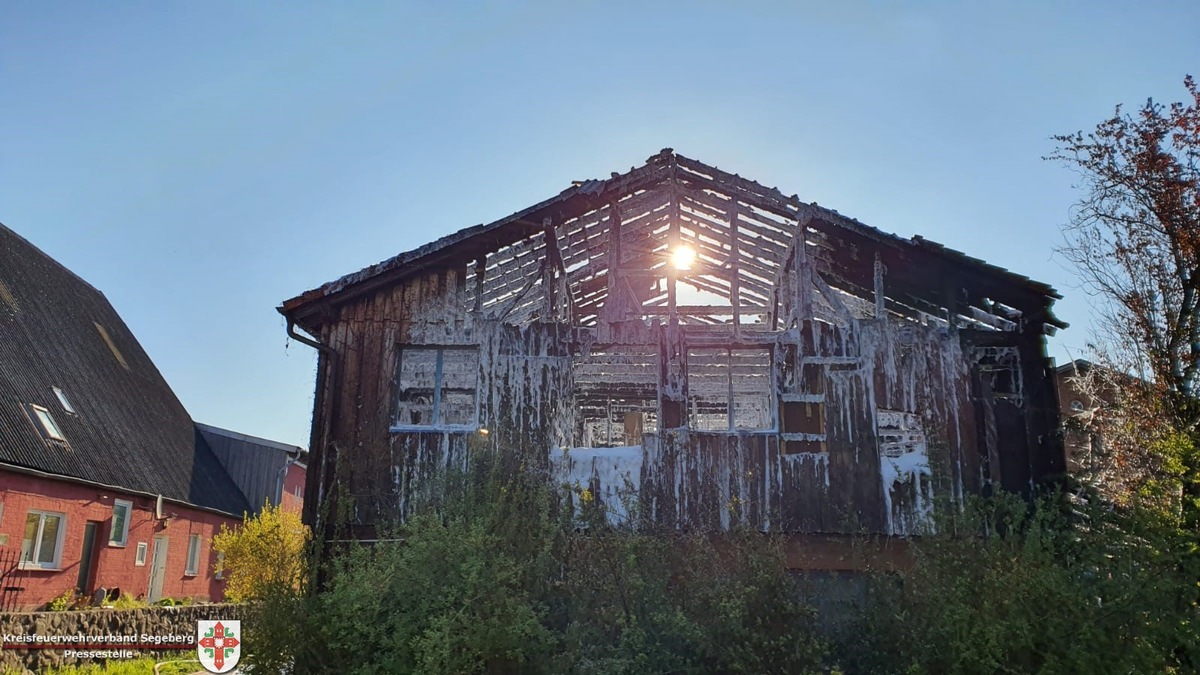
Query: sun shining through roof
{"type": "Point", "coordinates": [682, 258]}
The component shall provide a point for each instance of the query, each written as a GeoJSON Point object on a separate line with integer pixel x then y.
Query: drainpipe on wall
{"type": "Point", "coordinates": [280, 477]}
{"type": "Point", "coordinates": [315, 487]}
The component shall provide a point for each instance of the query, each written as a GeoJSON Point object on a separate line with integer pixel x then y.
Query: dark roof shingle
{"type": "Point", "coordinates": [128, 430]}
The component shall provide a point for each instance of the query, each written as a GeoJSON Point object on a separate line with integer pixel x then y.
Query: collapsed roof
{"type": "Point", "coordinates": [743, 238]}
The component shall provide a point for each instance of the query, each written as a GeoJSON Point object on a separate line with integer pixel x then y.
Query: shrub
{"type": "Point", "coordinates": [264, 554]}
{"type": "Point", "coordinates": [127, 601]}
{"type": "Point", "coordinates": [63, 602]}
{"type": "Point", "coordinates": [494, 577]}
{"type": "Point", "coordinates": [1041, 589]}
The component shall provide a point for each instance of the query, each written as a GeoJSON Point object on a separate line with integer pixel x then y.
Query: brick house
{"type": "Point", "coordinates": [105, 481]}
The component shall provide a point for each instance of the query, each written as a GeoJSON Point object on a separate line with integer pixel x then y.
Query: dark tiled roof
{"type": "Point", "coordinates": [255, 464]}
{"type": "Point", "coordinates": [128, 430]}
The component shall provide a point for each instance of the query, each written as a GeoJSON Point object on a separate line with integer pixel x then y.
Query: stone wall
{"type": "Point", "coordinates": [154, 622]}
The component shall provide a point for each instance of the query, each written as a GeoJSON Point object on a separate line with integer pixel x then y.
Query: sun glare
{"type": "Point", "coordinates": [683, 257]}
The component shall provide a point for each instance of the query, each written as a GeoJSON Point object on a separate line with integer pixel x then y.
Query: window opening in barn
{"type": "Point", "coordinates": [802, 412]}
{"type": "Point", "coordinates": [900, 433]}
{"type": "Point", "coordinates": [729, 389]}
{"type": "Point", "coordinates": [62, 399]}
{"type": "Point", "coordinates": [46, 424]}
{"type": "Point", "coordinates": [1001, 368]}
{"type": "Point", "coordinates": [437, 387]}
{"type": "Point", "coordinates": [616, 395]}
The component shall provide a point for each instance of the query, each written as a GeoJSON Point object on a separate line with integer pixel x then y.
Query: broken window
{"type": "Point", "coordinates": [436, 386]}
{"type": "Point", "coordinates": [802, 413]}
{"type": "Point", "coordinates": [1000, 367]}
{"type": "Point", "coordinates": [730, 389]}
{"type": "Point", "coordinates": [900, 433]}
{"type": "Point", "coordinates": [616, 395]}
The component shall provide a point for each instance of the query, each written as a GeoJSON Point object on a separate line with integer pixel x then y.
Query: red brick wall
{"type": "Point", "coordinates": [115, 566]}
{"type": "Point", "coordinates": [293, 488]}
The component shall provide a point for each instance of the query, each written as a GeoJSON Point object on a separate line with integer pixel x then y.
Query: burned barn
{"type": "Point", "coordinates": [730, 355]}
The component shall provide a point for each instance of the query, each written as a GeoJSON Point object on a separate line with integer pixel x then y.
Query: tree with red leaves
{"type": "Point", "coordinates": [1134, 238]}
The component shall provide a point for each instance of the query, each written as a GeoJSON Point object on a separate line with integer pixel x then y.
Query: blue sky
{"type": "Point", "coordinates": [201, 162]}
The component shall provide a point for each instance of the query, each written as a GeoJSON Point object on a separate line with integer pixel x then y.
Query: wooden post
{"type": "Point", "coordinates": [549, 268]}
{"type": "Point", "coordinates": [614, 307]}
{"type": "Point", "coordinates": [673, 241]}
{"type": "Point", "coordinates": [480, 270]}
{"type": "Point", "coordinates": [952, 290]}
{"type": "Point", "coordinates": [804, 283]}
{"type": "Point", "coordinates": [735, 289]}
{"type": "Point", "coordinates": [880, 310]}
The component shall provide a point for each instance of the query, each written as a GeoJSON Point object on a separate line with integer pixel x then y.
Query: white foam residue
{"type": "Point", "coordinates": [911, 468]}
{"type": "Point", "coordinates": [613, 474]}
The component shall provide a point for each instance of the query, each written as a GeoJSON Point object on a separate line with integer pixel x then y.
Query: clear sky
{"type": "Point", "coordinates": [199, 162]}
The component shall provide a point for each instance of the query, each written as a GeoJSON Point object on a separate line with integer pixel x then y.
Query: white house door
{"type": "Point", "coordinates": [158, 568]}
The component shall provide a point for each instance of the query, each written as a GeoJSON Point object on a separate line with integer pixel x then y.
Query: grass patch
{"type": "Point", "coordinates": [143, 666]}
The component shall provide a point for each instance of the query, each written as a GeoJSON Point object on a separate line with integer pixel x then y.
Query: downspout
{"type": "Point", "coordinates": [291, 331]}
{"type": "Point", "coordinates": [314, 498]}
{"type": "Point", "coordinates": [280, 477]}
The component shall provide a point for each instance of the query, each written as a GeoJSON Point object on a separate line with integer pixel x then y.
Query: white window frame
{"type": "Point", "coordinates": [62, 398]}
{"type": "Point", "coordinates": [46, 423]}
{"type": "Point", "coordinates": [438, 389]}
{"type": "Point", "coordinates": [193, 556]}
{"type": "Point", "coordinates": [140, 558]}
{"type": "Point", "coordinates": [123, 539]}
{"type": "Point", "coordinates": [35, 550]}
{"type": "Point", "coordinates": [219, 574]}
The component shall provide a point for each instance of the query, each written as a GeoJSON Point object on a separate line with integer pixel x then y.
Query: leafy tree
{"type": "Point", "coordinates": [1134, 239]}
{"type": "Point", "coordinates": [265, 554]}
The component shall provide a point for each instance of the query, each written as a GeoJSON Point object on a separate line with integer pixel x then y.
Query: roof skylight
{"type": "Point", "coordinates": [62, 398]}
{"type": "Point", "coordinates": [45, 420]}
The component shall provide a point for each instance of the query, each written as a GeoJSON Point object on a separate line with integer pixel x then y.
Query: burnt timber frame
{"type": "Point", "coordinates": [865, 330]}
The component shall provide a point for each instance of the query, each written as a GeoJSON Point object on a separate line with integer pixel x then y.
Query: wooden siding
{"type": "Point", "coordinates": [902, 376]}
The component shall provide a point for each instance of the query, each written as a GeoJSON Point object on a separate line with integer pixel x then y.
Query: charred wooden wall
{"type": "Point", "coordinates": [368, 473]}
{"type": "Point", "coordinates": [914, 414]}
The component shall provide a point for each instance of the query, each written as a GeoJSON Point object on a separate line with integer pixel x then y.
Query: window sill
{"type": "Point", "coordinates": [117, 544]}
{"type": "Point", "coordinates": [735, 432]}
{"type": "Point", "coordinates": [34, 567]}
{"type": "Point", "coordinates": [413, 428]}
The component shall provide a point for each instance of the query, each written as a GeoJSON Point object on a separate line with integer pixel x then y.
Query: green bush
{"type": "Point", "coordinates": [1042, 588]}
{"type": "Point", "coordinates": [499, 575]}
{"type": "Point", "coordinates": [494, 577]}
{"type": "Point", "coordinates": [63, 602]}
{"type": "Point", "coordinates": [127, 601]}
